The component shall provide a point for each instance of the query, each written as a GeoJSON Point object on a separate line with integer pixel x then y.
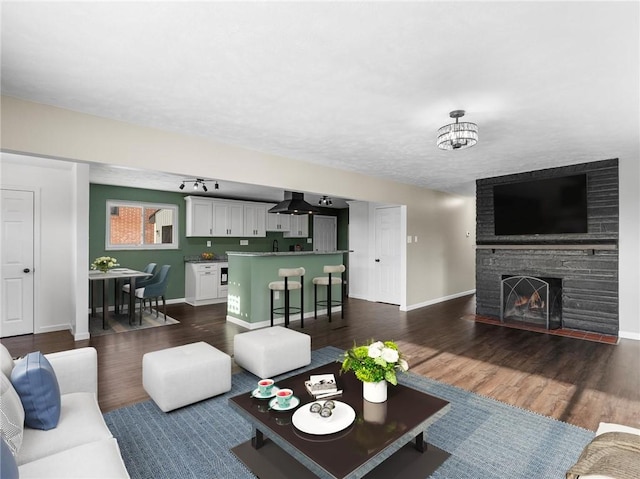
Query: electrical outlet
{"type": "Point", "coordinates": [276, 295]}
{"type": "Point", "coordinates": [309, 240]}
{"type": "Point", "coordinates": [244, 242]}
{"type": "Point", "coordinates": [409, 239]}
{"type": "Point", "coordinates": [208, 244]}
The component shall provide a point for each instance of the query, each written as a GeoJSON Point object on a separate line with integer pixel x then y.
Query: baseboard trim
{"type": "Point", "coordinates": [279, 320]}
{"type": "Point", "coordinates": [629, 335]}
{"type": "Point", "coordinates": [411, 307]}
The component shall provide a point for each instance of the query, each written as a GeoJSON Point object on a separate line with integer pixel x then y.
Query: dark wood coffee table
{"type": "Point", "coordinates": [366, 447]}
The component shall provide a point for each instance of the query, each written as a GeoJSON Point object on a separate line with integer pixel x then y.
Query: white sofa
{"type": "Point", "coordinates": [81, 445]}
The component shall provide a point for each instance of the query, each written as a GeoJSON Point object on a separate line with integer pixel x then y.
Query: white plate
{"type": "Point", "coordinates": [273, 404]}
{"type": "Point", "coordinates": [256, 393]}
{"type": "Point", "coordinates": [312, 423]}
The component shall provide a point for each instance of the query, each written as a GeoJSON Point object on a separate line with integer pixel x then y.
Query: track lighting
{"type": "Point", "coordinates": [197, 182]}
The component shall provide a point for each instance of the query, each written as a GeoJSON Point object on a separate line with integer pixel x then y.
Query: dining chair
{"type": "Point", "coordinates": [154, 290]}
{"type": "Point", "coordinates": [125, 289]}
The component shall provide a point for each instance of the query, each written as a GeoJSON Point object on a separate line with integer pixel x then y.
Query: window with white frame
{"type": "Point", "coordinates": [135, 225]}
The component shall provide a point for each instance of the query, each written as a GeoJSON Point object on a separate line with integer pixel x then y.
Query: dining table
{"type": "Point", "coordinates": [115, 274]}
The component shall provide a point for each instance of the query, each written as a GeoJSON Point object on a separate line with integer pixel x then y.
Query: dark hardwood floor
{"type": "Point", "coordinates": [573, 380]}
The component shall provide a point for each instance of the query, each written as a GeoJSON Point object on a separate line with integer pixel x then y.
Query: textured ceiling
{"type": "Point", "coordinates": [359, 86]}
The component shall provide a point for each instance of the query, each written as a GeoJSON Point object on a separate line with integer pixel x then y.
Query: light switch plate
{"type": "Point", "coordinates": [209, 244]}
{"type": "Point", "coordinates": [409, 239]}
{"type": "Point", "coordinates": [309, 240]}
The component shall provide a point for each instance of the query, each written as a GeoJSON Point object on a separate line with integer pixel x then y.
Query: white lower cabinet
{"type": "Point", "coordinates": [202, 284]}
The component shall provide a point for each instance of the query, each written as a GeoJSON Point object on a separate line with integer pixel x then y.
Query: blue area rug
{"type": "Point", "coordinates": [486, 438]}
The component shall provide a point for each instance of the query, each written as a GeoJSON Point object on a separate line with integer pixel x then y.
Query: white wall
{"type": "Point", "coordinates": [55, 271]}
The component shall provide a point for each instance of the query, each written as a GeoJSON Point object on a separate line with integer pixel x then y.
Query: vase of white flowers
{"type": "Point", "coordinates": [375, 364]}
{"type": "Point", "coordinates": [104, 263]}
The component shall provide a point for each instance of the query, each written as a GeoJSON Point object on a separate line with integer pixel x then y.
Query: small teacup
{"type": "Point", "coordinates": [284, 397]}
{"type": "Point", "coordinates": [265, 386]}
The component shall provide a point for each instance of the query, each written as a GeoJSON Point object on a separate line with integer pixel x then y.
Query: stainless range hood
{"type": "Point", "coordinates": [294, 204]}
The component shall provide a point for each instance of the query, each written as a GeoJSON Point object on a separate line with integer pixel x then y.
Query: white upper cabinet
{"type": "Point", "coordinates": [299, 227]}
{"type": "Point", "coordinates": [214, 217]}
{"type": "Point", "coordinates": [255, 220]}
{"type": "Point", "coordinates": [277, 221]}
{"type": "Point", "coordinates": [228, 218]}
{"type": "Point", "coordinates": [199, 216]}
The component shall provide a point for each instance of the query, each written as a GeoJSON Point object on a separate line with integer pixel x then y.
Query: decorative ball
{"type": "Point", "coordinates": [325, 412]}
{"type": "Point", "coordinates": [330, 404]}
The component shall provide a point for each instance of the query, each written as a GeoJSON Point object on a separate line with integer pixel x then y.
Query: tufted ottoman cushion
{"type": "Point", "coordinates": [186, 374]}
{"type": "Point", "coordinates": [268, 352]}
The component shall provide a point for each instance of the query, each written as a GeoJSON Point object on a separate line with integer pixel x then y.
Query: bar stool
{"type": "Point", "coordinates": [287, 286]}
{"type": "Point", "coordinates": [329, 281]}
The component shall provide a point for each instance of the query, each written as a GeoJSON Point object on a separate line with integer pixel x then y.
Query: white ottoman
{"type": "Point", "coordinates": [186, 374]}
{"type": "Point", "coordinates": [268, 352]}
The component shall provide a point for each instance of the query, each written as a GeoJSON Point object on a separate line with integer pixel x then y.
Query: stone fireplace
{"type": "Point", "coordinates": [531, 300]}
{"type": "Point", "coordinates": [580, 269]}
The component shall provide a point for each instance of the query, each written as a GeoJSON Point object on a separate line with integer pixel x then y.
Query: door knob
{"type": "Point", "coordinates": [26, 270]}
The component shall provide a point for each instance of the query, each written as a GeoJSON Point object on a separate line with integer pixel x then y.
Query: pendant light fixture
{"type": "Point", "coordinates": [325, 201]}
{"type": "Point", "coordinates": [458, 135]}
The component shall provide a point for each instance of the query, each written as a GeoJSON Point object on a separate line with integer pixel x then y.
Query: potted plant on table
{"type": "Point", "coordinates": [375, 364]}
{"type": "Point", "coordinates": [104, 263]}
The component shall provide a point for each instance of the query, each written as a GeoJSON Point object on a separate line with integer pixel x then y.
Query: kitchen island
{"type": "Point", "coordinates": [249, 277]}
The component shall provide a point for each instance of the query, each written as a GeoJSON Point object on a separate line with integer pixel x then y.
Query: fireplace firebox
{"type": "Point", "coordinates": [531, 300]}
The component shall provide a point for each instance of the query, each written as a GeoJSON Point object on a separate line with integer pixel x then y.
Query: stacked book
{"type": "Point", "coordinates": [322, 385]}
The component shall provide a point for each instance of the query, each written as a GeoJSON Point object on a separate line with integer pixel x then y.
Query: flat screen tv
{"type": "Point", "coordinates": [544, 206]}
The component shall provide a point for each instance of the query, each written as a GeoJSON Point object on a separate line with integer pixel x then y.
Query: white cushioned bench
{"type": "Point", "coordinates": [268, 352]}
{"type": "Point", "coordinates": [179, 376]}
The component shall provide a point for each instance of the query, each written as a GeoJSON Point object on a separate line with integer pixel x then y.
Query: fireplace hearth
{"type": "Point", "coordinates": [531, 300]}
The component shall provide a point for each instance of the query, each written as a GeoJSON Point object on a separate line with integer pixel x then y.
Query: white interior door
{"type": "Point", "coordinates": [17, 263]}
{"type": "Point", "coordinates": [325, 233]}
{"type": "Point", "coordinates": [387, 255]}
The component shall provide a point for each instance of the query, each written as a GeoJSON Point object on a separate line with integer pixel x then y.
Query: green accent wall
{"type": "Point", "coordinates": [138, 259]}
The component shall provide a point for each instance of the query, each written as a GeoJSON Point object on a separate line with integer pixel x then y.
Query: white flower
{"type": "Point", "coordinates": [390, 355]}
{"type": "Point", "coordinates": [404, 365]}
{"type": "Point", "coordinates": [375, 349]}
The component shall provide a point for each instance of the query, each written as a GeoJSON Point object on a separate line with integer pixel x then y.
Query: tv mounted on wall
{"type": "Point", "coordinates": [544, 206]}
